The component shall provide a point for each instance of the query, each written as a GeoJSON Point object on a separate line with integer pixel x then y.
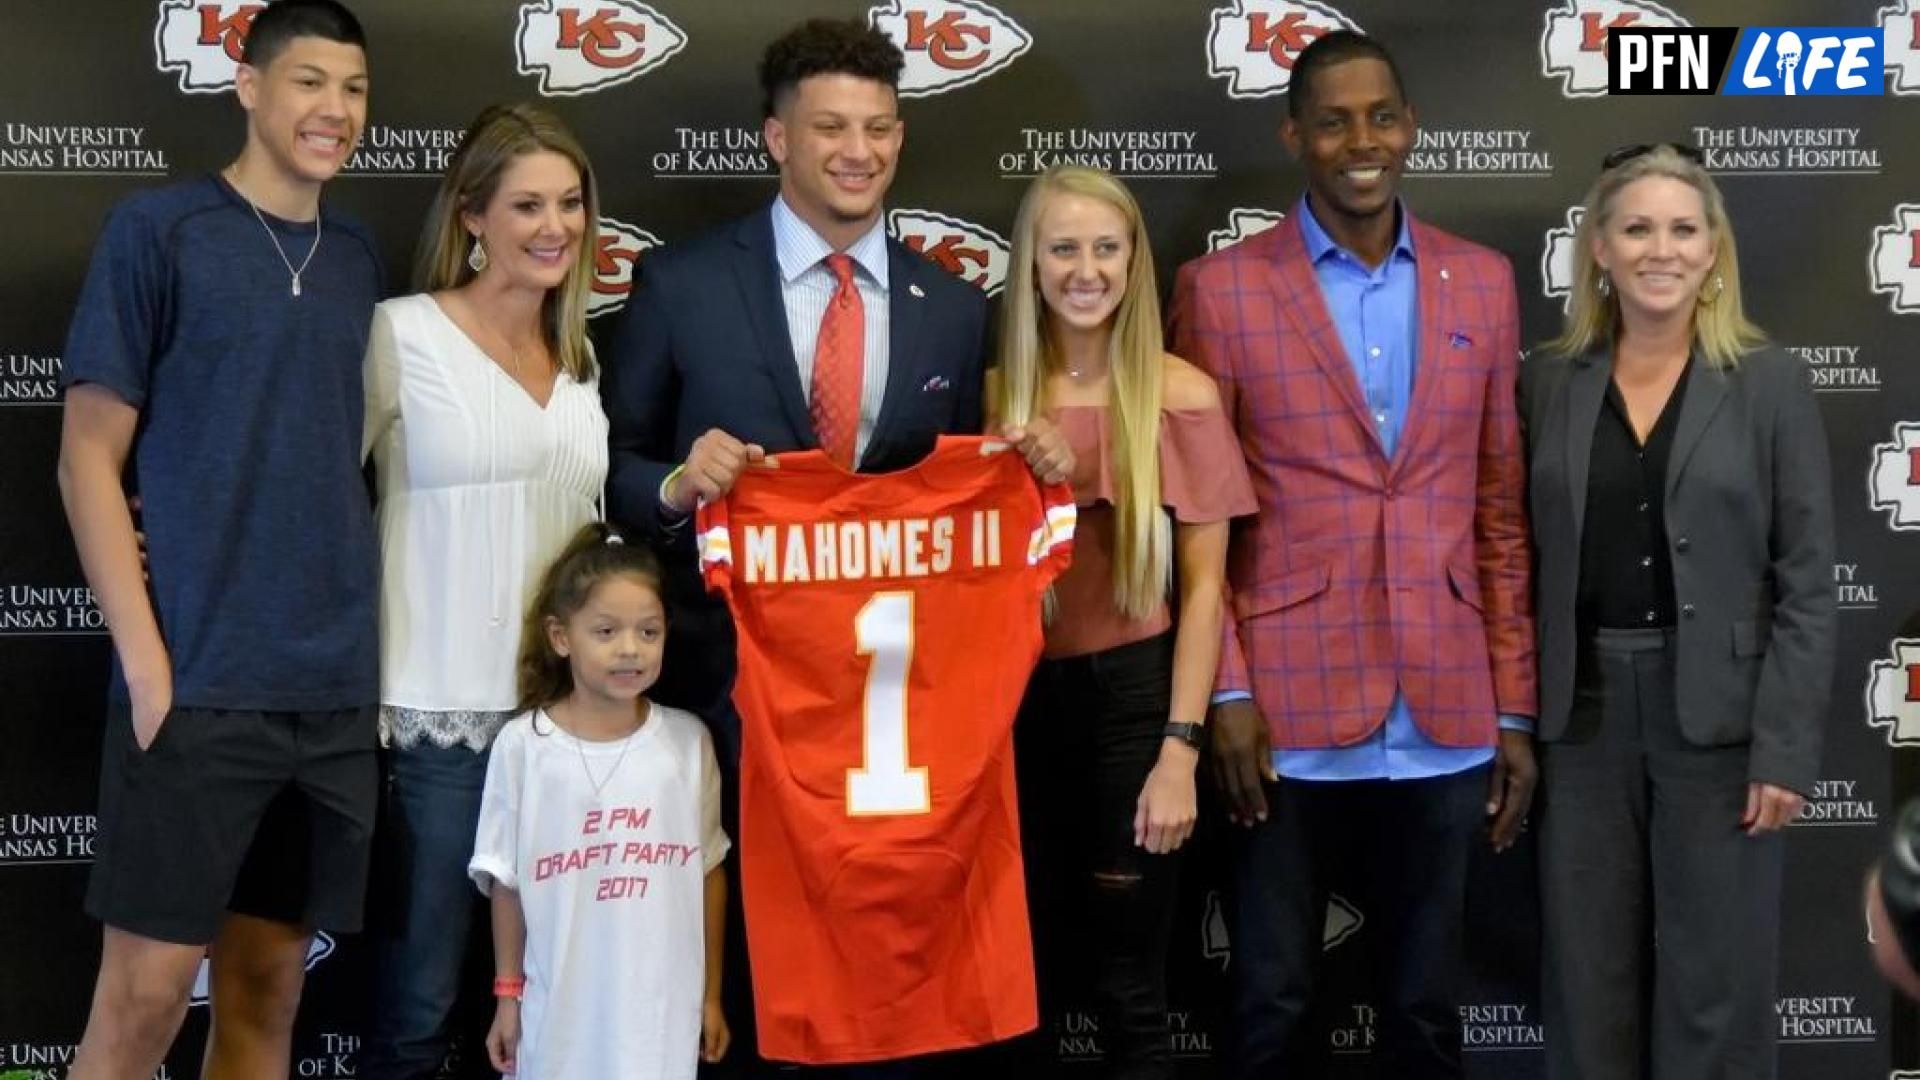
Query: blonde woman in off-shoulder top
{"type": "Point", "coordinates": [1107, 739]}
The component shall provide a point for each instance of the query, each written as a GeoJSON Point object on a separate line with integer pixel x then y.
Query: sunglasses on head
{"type": "Point", "coordinates": [1627, 153]}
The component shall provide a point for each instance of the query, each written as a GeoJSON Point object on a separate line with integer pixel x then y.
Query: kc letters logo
{"type": "Point", "coordinates": [617, 250]}
{"type": "Point", "coordinates": [1573, 48]}
{"type": "Point", "coordinates": [580, 46]}
{"type": "Point", "coordinates": [1894, 265]}
{"type": "Point", "coordinates": [1242, 222]}
{"type": "Point", "coordinates": [1557, 258]}
{"type": "Point", "coordinates": [201, 41]}
{"type": "Point", "coordinates": [948, 43]}
{"type": "Point", "coordinates": [1253, 43]}
{"type": "Point", "coordinates": [1894, 480]}
{"type": "Point", "coordinates": [1900, 41]}
{"type": "Point", "coordinates": [972, 253]}
{"type": "Point", "coordinates": [1893, 693]}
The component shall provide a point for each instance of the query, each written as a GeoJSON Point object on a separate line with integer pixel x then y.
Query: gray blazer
{"type": "Point", "coordinates": [1749, 512]}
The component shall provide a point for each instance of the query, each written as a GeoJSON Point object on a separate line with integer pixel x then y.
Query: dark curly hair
{"type": "Point", "coordinates": [826, 47]}
{"type": "Point", "coordinates": [1327, 50]}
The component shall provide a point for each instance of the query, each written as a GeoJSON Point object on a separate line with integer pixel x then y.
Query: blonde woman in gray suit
{"type": "Point", "coordinates": [1683, 527]}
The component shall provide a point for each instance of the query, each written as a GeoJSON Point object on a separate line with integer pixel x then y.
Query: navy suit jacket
{"type": "Point", "coordinates": [704, 344]}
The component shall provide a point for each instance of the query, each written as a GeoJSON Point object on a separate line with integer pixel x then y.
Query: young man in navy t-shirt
{"type": "Point", "coordinates": [217, 345]}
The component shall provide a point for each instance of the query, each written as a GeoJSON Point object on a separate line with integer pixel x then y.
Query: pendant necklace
{"type": "Point", "coordinates": [579, 746]}
{"type": "Point", "coordinates": [294, 290]}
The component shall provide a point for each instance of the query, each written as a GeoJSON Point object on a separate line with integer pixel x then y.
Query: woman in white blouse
{"type": "Point", "coordinates": [490, 448]}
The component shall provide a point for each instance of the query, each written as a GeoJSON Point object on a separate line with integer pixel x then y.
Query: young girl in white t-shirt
{"type": "Point", "coordinates": [600, 841]}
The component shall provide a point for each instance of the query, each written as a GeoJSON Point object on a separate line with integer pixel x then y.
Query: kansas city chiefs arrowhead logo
{"type": "Point", "coordinates": [1242, 222]}
{"type": "Point", "coordinates": [318, 949]}
{"type": "Point", "coordinates": [580, 46]}
{"type": "Point", "coordinates": [972, 253]}
{"type": "Point", "coordinates": [1894, 481]}
{"type": "Point", "coordinates": [1895, 262]}
{"type": "Point", "coordinates": [1216, 942]}
{"type": "Point", "coordinates": [1893, 693]}
{"type": "Point", "coordinates": [617, 250]}
{"type": "Point", "coordinates": [1252, 43]}
{"type": "Point", "coordinates": [201, 40]}
{"type": "Point", "coordinates": [1557, 258]}
{"type": "Point", "coordinates": [1573, 48]}
{"type": "Point", "coordinates": [1343, 921]}
{"type": "Point", "coordinates": [1900, 27]}
{"type": "Point", "coordinates": [948, 43]}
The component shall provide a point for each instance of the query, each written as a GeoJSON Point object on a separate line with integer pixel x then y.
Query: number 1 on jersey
{"type": "Point", "coordinates": [885, 783]}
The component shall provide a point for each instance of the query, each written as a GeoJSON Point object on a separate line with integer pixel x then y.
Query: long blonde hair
{"type": "Point", "coordinates": [1721, 330]}
{"type": "Point", "coordinates": [497, 136]}
{"type": "Point", "coordinates": [1142, 564]}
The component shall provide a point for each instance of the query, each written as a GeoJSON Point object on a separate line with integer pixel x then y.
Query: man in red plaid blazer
{"type": "Point", "coordinates": [1376, 687]}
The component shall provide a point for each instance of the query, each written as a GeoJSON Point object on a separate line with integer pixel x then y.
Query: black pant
{"type": "Point", "coordinates": [1089, 732]}
{"type": "Point", "coordinates": [1406, 844]}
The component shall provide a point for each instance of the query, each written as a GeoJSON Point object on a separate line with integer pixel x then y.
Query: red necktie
{"type": "Point", "coordinates": [838, 358]}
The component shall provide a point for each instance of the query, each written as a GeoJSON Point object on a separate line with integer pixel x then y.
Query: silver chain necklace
{"type": "Point", "coordinates": [579, 746]}
{"type": "Point", "coordinates": [282, 252]}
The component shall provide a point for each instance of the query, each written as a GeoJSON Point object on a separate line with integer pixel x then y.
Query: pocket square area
{"type": "Point", "coordinates": [938, 382]}
{"type": "Point", "coordinates": [1459, 340]}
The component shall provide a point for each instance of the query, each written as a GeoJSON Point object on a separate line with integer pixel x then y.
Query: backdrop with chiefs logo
{"type": "Point", "coordinates": [1182, 99]}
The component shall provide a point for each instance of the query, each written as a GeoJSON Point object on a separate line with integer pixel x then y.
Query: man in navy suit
{"type": "Point", "coordinates": [714, 366]}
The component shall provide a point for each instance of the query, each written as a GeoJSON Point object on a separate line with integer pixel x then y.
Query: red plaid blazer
{"type": "Point", "coordinates": [1362, 572]}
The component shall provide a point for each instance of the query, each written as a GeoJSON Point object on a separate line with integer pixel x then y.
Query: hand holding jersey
{"type": "Point", "coordinates": [713, 463]}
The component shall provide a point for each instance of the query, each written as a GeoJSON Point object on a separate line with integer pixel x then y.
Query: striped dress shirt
{"type": "Point", "coordinates": [806, 287]}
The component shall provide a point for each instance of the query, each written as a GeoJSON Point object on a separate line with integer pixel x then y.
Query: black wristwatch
{"type": "Point", "coordinates": [1191, 734]}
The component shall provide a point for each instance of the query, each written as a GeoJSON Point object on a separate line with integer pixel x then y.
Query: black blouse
{"type": "Point", "coordinates": [1626, 571]}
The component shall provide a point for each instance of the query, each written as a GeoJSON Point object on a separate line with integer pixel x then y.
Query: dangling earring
{"type": "Point", "coordinates": [1719, 286]}
{"type": "Point", "coordinates": [1603, 284]}
{"type": "Point", "coordinates": [477, 256]}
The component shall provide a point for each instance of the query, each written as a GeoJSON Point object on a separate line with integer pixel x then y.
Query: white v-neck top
{"type": "Point", "coordinates": [479, 489]}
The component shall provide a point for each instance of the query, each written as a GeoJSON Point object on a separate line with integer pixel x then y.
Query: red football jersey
{"type": "Point", "coordinates": [887, 625]}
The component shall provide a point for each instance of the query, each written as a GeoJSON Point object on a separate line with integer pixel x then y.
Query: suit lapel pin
{"type": "Point", "coordinates": [1444, 276]}
{"type": "Point", "coordinates": [918, 293]}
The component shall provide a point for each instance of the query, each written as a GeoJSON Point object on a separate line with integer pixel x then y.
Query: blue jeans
{"type": "Point", "coordinates": [424, 917]}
